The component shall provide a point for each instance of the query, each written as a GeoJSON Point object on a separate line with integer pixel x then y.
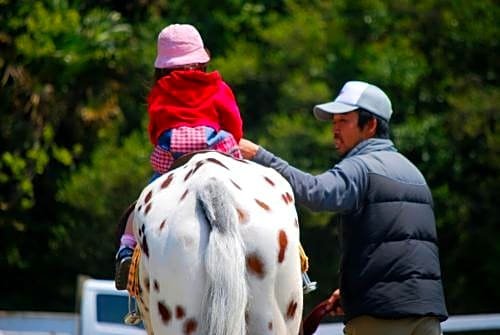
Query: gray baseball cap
{"type": "Point", "coordinates": [354, 95]}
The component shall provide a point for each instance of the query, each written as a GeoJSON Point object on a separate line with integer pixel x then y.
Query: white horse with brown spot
{"type": "Point", "coordinates": [220, 250]}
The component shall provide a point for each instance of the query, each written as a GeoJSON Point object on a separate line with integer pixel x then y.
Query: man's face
{"type": "Point", "coordinates": [346, 132]}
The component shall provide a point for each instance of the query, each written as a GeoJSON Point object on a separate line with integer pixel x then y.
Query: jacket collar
{"type": "Point", "coordinates": [371, 145]}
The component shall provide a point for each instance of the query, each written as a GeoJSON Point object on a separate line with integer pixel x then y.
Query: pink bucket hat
{"type": "Point", "coordinates": [180, 44]}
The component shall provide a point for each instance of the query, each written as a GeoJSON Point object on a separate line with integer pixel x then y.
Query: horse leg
{"type": "Point", "coordinates": [275, 299]}
{"type": "Point", "coordinates": [176, 279]}
{"type": "Point", "coordinates": [289, 292]}
{"type": "Point", "coordinates": [263, 312]}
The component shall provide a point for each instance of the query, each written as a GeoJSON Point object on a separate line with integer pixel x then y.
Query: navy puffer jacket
{"type": "Point", "coordinates": [390, 261]}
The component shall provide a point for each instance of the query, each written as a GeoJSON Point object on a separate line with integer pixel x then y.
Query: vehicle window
{"type": "Point", "coordinates": [112, 308]}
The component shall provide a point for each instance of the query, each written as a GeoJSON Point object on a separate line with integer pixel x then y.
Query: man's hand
{"type": "Point", "coordinates": [328, 306]}
{"type": "Point", "coordinates": [334, 304]}
{"type": "Point", "coordinates": [248, 148]}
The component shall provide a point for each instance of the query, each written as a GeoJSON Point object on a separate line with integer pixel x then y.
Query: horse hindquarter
{"type": "Point", "coordinates": [217, 235]}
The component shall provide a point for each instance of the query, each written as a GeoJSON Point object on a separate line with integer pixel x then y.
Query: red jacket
{"type": "Point", "coordinates": [192, 98]}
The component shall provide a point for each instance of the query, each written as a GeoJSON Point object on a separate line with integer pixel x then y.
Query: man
{"type": "Point", "coordinates": [390, 277]}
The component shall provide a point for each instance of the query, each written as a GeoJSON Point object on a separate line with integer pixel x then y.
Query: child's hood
{"type": "Point", "coordinates": [189, 88]}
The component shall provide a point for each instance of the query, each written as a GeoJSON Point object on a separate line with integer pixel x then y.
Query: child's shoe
{"type": "Point", "coordinates": [122, 266]}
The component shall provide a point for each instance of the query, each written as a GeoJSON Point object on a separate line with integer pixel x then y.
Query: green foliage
{"type": "Point", "coordinates": [74, 76]}
{"type": "Point", "coordinates": [118, 170]}
{"type": "Point", "coordinates": [100, 191]}
{"type": "Point", "coordinates": [297, 137]}
{"type": "Point", "coordinates": [61, 73]}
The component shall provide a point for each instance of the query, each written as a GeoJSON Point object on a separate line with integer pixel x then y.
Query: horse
{"type": "Point", "coordinates": [219, 240]}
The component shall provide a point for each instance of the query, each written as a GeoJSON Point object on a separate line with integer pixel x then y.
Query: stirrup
{"type": "Point", "coordinates": [133, 317]}
{"type": "Point", "coordinates": [309, 285]}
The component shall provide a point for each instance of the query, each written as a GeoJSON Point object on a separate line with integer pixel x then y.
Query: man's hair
{"type": "Point", "coordinates": [382, 130]}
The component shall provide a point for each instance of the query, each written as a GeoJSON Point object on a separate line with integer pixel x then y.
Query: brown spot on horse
{"type": "Point", "coordinates": [144, 245]}
{"type": "Point", "coordinates": [285, 199]}
{"type": "Point", "coordinates": [188, 175]}
{"type": "Point", "coordinates": [190, 326]}
{"type": "Point", "coordinates": [162, 224]}
{"type": "Point", "coordinates": [269, 181]}
{"type": "Point", "coordinates": [179, 312]}
{"type": "Point", "coordinates": [148, 197]}
{"type": "Point", "coordinates": [283, 242]}
{"type": "Point", "coordinates": [292, 308]}
{"type": "Point", "coordinates": [236, 185]}
{"type": "Point", "coordinates": [167, 181]}
{"type": "Point", "coordinates": [263, 204]}
{"type": "Point", "coordinates": [148, 208]}
{"type": "Point", "coordinates": [255, 265]}
{"type": "Point", "coordinates": [242, 215]}
{"type": "Point", "coordinates": [164, 312]}
{"type": "Point", "coordinates": [184, 195]}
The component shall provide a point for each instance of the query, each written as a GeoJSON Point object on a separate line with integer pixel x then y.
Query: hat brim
{"type": "Point", "coordinates": [199, 56]}
{"type": "Point", "coordinates": [324, 111]}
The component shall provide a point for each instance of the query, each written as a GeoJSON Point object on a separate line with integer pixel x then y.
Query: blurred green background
{"type": "Point", "coordinates": [74, 152]}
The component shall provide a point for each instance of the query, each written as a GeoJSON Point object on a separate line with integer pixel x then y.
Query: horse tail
{"type": "Point", "coordinates": [225, 299]}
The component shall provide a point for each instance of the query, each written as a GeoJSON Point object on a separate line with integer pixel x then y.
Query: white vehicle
{"type": "Point", "coordinates": [102, 309]}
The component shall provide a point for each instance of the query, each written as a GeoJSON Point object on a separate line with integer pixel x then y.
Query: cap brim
{"type": "Point", "coordinates": [324, 111]}
{"type": "Point", "coordinates": [197, 56]}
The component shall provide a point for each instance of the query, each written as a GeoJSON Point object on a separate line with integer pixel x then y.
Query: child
{"type": "Point", "coordinates": [189, 110]}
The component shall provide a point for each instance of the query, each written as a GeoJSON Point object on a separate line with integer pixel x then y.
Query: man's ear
{"type": "Point", "coordinates": [371, 127]}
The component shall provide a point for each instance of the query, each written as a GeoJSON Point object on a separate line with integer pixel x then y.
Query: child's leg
{"type": "Point", "coordinates": [161, 160]}
{"type": "Point", "coordinates": [125, 252]}
{"type": "Point", "coordinates": [128, 239]}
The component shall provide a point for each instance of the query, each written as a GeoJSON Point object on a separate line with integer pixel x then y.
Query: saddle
{"type": "Point", "coordinates": [187, 157]}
